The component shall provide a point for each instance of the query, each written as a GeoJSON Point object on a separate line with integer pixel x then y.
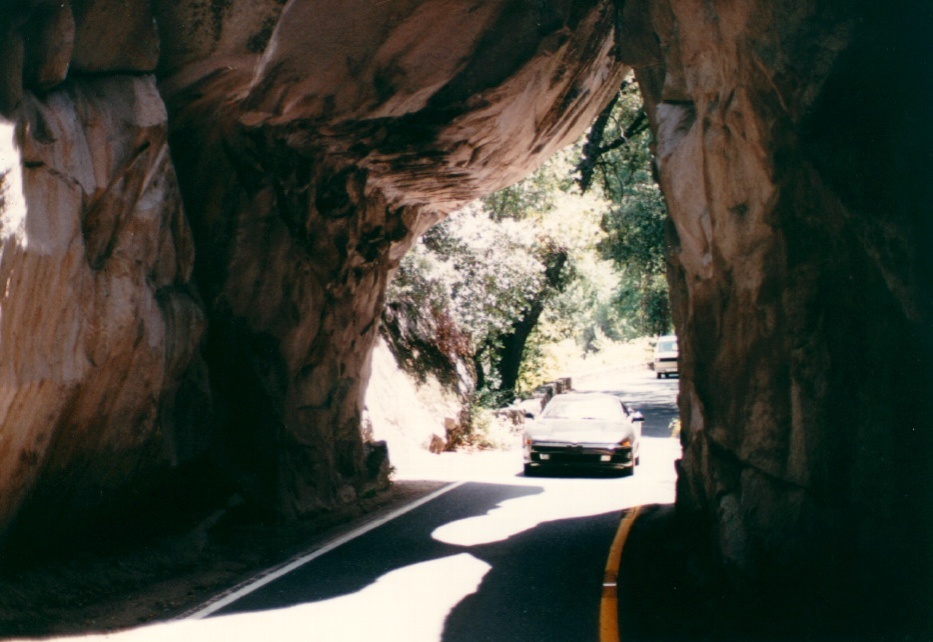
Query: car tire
{"type": "Point", "coordinates": [659, 375]}
{"type": "Point", "coordinates": [530, 471]}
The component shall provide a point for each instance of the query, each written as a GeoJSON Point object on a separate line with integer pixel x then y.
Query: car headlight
{"type": "Point", "coordinates": [625, 443]}
{"type": "Point", "coordinates": [527, 440]}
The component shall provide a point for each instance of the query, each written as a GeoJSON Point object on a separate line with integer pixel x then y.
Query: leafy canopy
{"type": "Point", "coordinates": [575, 250]}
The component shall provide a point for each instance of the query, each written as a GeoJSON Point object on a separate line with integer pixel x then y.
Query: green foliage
{"type": "Point", "coordinates": [622, 171]}
{"type": "Point", "coordinates": [643, 301]}
{"type": "Point", "coordinates": [501, 264]}
{"type": "Point", "coordinates": [577, 250]}
{"type": "Point", "coordinates": [635, 242]}
{"type": "Point", "coordinates": [486, 431]}
{"type": "Point", "coordinates": [487, 271]}
{"type": "Point", "coordinates": [615, 153]}
{"type": "Point", "coordinates": [538, 195]}
{"type": "Point", "coordinates": [482, 273]}
{"type": "Point", "coordinates": [635, 231]}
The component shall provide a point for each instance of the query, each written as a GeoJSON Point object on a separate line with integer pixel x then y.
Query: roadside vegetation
{"type": "Point", "coordinates": [561, 265]}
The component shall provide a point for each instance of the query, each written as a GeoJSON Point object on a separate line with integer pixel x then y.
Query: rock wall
{"type": "Point", "coordinates": [310, 167]}
{"type": "Point", "coordinates": [313, 141]}
{"type": "Point", "coordinates": [99, 321]}
{"type": "Point", "coordinates": [795, 162]}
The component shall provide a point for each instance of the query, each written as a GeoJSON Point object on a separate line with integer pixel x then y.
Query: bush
{"type": "Point", "coordinates": [486, 431]}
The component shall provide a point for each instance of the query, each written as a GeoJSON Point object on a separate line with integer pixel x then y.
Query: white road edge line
{"type": "Point", "coordinates": [227, 598]}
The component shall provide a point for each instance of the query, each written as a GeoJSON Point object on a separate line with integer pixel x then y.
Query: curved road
{"type": "Point", "coordinates": [493, 556]}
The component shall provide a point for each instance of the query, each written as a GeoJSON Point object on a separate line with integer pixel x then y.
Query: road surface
{"type": "Point", "coordinates": [493, 556]}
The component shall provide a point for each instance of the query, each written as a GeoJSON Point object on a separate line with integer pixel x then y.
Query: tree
{"type": "Point", "coordinates": [482, 273]}
{"type": "Point", "coordinates": [575, 250]}
{"type": "Point", "coordinates": [513, 343]}
{"type": "Point", "coordinates": [623, 123]}
{"type": "Point", "coordinates": [617, 161]}
{"type": "Point", "coordinates": [499, 265]}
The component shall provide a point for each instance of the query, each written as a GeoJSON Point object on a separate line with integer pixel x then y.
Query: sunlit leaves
{"type": "Point", "coordinates": [481, 271]}
{"type": "Point", "coordinates": [634, 225]}
{"type": "Point", "coordinates": [491, 270]}
{"type": "Point", "coordinates": [542, 254]}
{"type": "Point", "coordinates": [635, 231]}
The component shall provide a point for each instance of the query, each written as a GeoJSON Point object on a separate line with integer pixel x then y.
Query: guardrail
{"type": "Point", "coordinates": [539, 398]}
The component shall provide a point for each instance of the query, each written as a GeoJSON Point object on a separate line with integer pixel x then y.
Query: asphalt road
{"type": "Point", "coordinates": [469, 565]}
{"type": "Point", "coordinates": [494, 556]}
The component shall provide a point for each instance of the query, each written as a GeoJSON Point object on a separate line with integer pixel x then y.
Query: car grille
{"type": "Point", "coordinates": [580, 455]}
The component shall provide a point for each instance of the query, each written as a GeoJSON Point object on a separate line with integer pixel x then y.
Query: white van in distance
{"type": "Point", "coordinates": [666, 356]}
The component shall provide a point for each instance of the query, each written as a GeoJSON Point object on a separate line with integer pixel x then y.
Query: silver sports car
{"type": "Point", "coordinates": [583, 430]}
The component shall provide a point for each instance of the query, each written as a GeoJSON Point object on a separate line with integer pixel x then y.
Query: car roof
{"type": "Point", "coordinates": [598, 403]}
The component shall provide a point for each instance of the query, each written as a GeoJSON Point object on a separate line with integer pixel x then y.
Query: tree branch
{"type": "Point", "coordinates": [594, 148]}
{"type": "Point", "coordinates": [594, 139]}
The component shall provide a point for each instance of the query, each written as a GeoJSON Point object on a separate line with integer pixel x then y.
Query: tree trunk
{"type": "Point", "coordinates": [513, 344]}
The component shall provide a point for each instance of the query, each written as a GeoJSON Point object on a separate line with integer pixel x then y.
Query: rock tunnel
{"type": "Point", "coordinates": [202, 203]}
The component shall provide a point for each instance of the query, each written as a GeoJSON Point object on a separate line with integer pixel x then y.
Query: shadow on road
{"type": "Point", "coordinates": [541, 582]}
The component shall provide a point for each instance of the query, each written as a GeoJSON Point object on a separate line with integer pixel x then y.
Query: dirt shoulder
{"type": "Point", "coordinates": [163, 580]}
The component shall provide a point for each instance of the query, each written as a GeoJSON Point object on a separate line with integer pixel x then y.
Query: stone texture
{"type": "Point", "coordinates": [48, 31]}
{"type": "Point", "coordinates": [98, 322]}
{"type": "Point", "coordinates": [794, 166]}
{"type": "Point", "coordinates": [205, 32]}
{"type": "Point", "coordinates": [43, 41]}
{"type": "Point", "coordinates": [316, 139]}
{"type": "Point", "coordinates": [314, 142]}
{"type": "Point", "coordinates": [412, 413]}
{"type": "Point", "coordinates": [114, 36]}
{"type": "Point", "coordinates": [309, 170]}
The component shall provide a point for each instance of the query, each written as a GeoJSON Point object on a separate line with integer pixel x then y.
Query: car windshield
{"type": "Point", "coordinates": [600, 409]}
{"type": "Point", "coordinates": [667, 346]}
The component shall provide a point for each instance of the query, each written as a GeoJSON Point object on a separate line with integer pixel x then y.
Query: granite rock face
{"type": "Point", "coordinates": [311, 166]}
{"type": "Point", "coordinates": [202, 203]}
{"type": "Point", "coordinates": [312, 142]}
{"type": "Point", "coordinates": [99, 320]}
{"type": "Point", "coordinates": [796, 168]}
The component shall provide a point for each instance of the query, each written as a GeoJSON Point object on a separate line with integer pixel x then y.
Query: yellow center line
{"type": "Point", "coordinates": [609, 605]}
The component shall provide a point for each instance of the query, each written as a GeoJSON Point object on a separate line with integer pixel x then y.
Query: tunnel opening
{"type": "Point", "coordinates": [792, 153]}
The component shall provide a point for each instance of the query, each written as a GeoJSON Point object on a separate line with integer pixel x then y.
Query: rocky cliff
{"type": "Point", "coordinates": [202, 205]}
{"type": "Point", "coordinates": [99, 319]}
{"type": "Point", "coordinates": [796, 164]}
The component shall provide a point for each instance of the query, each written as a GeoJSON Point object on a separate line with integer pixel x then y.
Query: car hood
{"type": "Point", "coordinates": [579, 432]}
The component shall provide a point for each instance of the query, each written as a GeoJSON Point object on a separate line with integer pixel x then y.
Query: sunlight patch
{"type": "Point", "coordinates": [515, 516]}
{"type": "Point", "coordinates": [409, 604]}
{"type": "Point", "coordinates": [12, 201]}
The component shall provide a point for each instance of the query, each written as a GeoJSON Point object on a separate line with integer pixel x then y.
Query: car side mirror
{"type": "Point", "coordinates": [637, 416]}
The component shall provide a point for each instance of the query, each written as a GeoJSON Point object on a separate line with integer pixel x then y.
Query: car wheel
{"type": "Point", "coordinates": [659, 375]}
{"type": "Point", "coordinates": [530, 471]}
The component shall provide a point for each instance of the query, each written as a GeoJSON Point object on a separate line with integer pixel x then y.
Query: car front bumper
{"type": "Point", "coordinates": [582, 456]}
